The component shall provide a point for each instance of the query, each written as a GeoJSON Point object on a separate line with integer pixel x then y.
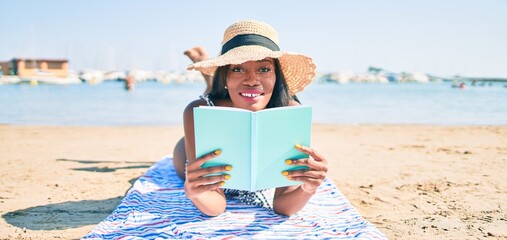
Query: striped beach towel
{"type": "Point", "coordinates": [156, 208]}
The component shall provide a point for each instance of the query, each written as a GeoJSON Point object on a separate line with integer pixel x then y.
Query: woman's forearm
{"type": "Point", "coordinates": [290, 200]}
{"type": "Point", "coordinates": [211, 203]}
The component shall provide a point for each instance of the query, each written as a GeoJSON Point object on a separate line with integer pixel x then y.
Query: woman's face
{"type": "Point", "coordinates": [251, 84]}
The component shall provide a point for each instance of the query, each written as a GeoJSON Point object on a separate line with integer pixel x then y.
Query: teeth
{"type": "Point", "coordinates": [250, 95]}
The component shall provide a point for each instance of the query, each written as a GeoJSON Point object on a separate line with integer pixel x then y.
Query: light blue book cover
{"type": "Point", "coordinates": [255, 144]}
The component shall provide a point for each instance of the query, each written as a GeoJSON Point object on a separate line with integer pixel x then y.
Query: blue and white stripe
{"type": "Point", "coordinates": [156, 208]}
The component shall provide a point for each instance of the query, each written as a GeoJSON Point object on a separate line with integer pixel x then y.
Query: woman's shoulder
{"type": "Point", "coordinates": [202, 101]}
{"type": "Point", "coordinates": [188, 113]}
{"type": "Point", "coordinates": [294, 103]}
{"type": "Point", "coordinates": [196, 103]}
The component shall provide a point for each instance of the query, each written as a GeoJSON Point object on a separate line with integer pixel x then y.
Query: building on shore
{"type": "Point", "coordinates": [23, 67]}
{"type": "Point", "coordinates": [53, 71]}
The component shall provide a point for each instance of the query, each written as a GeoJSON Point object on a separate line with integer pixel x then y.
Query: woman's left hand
{"type": "Point", "coordinates": [314, 175]}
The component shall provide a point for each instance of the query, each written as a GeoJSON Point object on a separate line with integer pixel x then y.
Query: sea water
{"type": "Point", "coordinates": [154, 103]}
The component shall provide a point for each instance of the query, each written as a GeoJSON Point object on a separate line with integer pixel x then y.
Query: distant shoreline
{"type": "Point", "coordinates": [156, 104]}
{"type": "Point", "coordinates": [478, 79]}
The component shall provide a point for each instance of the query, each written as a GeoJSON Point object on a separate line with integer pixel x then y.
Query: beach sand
{"type": "Point", "coordinates": [412, 182]}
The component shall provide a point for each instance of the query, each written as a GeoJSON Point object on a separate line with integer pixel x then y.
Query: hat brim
{"type": "Point", "coordinates": [298, 69]}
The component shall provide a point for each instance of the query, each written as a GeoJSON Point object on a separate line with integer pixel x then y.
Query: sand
{"type": "Point", "coordinates": [412, 182]}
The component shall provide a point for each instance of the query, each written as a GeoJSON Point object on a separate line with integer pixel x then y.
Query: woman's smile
{"type": "Point", "coordinates": [250, 84]}
{"type": "Point", "coordinates": [251, 95]}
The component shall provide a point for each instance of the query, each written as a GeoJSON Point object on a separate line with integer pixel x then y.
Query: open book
{"type": "Point", "coordinates": [255, 144]}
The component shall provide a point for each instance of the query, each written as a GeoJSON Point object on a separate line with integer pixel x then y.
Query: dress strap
{"type": "Point", "coordinates": [256, 198]}
{"type": "Point", "coordinates": [207, 99]}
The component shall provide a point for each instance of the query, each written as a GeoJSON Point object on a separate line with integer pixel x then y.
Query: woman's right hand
{"type": "Point", "coordinates": [197, 180]}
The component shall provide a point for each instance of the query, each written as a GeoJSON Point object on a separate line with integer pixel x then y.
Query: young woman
{"type": "Point", "coordinates": [250, 73]}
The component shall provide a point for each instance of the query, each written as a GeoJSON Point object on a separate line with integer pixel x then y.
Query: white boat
{"type": "Point", "coordinates": [46, 77]}
{"type": "Point", "coordinates": [50, 80]}
{"type": "Point", "coordinates": [9, 79]}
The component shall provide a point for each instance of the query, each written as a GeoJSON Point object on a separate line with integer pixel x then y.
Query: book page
{"type": "Point", "coordinates": [278, 130]}
{"type": "Point", "coordinates": [228, 130]}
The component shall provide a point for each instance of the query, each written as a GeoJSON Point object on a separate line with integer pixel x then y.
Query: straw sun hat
{"type": "Point", "coordinates": [250, 40]}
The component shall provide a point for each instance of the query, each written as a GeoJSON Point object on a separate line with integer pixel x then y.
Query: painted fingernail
{"type": "Point", "coordinates": [228, 168]}
{"type": "Point", "coordinates": [288, 162]}
{"type": "Point", "coordinates": [217, 152]}
{"type": "Point", "coordinates": [289, 177]}
{"type": "Point", "coordinates": [298, 146]}
{"type": "Point", "coordinates": [285, 173]}
{"type": "Point", "coordinates": [227, 176]}
{"type": "Point", "coordinates": [222, 183]}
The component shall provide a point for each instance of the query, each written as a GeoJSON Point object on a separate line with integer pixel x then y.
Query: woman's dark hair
{"type": "Point", "coordinates": [279, 98]}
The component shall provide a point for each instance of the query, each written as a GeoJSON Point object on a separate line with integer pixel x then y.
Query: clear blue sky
{"type": "Point", "coordinates": [444, 38]}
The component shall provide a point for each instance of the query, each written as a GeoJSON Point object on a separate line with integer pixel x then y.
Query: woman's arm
{"type": "Point", "coordinates": [204, 192]}
{"type": "Point", "coordinates": [289, 200]}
